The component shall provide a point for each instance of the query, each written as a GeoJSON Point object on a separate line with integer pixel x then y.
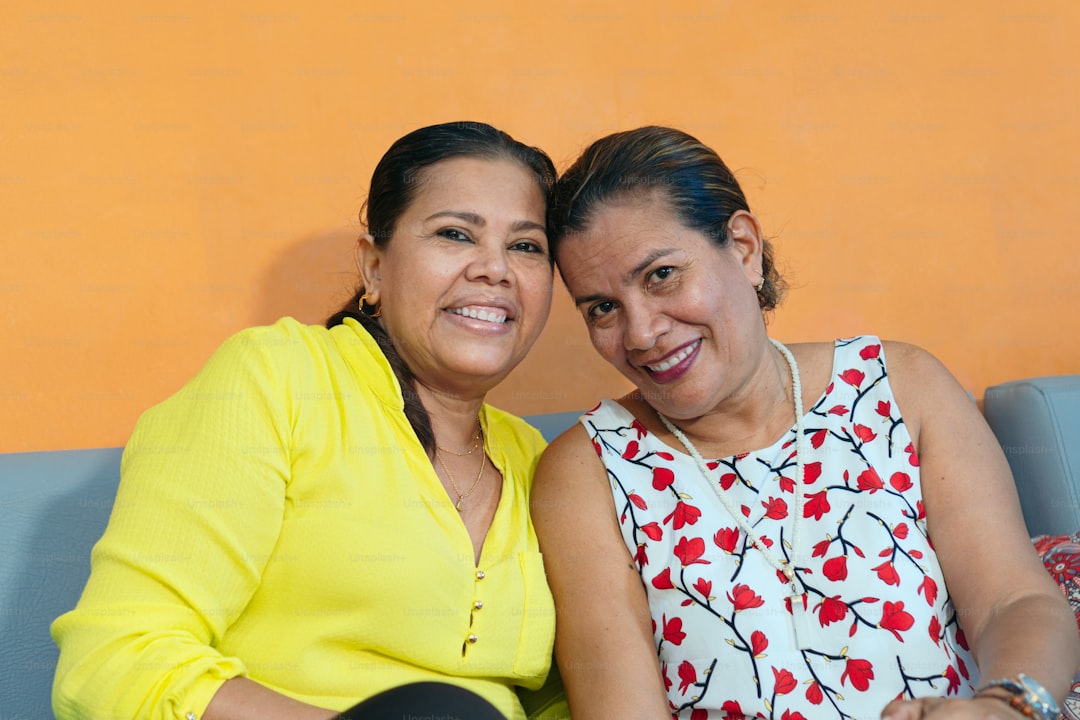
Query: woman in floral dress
{"type": "Point", "coordinates": [822, 531]}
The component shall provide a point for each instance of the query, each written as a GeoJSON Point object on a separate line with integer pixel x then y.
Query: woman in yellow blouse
{"type": "Point", "coordinates": [323, 515]}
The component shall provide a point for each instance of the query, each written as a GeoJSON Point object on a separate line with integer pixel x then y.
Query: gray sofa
{"type": "Point", "coordinates": [55, 505]}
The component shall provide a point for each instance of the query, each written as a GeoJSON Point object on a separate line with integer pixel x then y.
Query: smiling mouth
{"type": "Point", "coordinates": [674, 359]}
{"type": "Point", "coordinates": [491, 315]}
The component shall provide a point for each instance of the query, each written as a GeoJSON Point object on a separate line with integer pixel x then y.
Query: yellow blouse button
{"type": "Point", "coordinates": [479, 604]}
{"type": "Point", "coordinates": [480, 574]}
{"type": "Point", "coordinates": [473, 639]}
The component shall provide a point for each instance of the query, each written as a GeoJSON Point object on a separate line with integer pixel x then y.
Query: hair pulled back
{"type": "Point", "coordinates": [394, 184]}
{"type": "Point", "coordinates": [698, 186]}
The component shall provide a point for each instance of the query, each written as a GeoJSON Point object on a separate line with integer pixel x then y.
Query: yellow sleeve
{"type": "Point", "coordinates": [197, 514]}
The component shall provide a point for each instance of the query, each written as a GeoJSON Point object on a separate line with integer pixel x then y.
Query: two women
{"type": "Point", "coordinates": [324, 514]}
{"type": "Point", "coordinates": [822, 531]}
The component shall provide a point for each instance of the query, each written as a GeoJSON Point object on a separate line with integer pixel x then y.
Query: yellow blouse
{"type": "Point", "coordinates": [278, 519]}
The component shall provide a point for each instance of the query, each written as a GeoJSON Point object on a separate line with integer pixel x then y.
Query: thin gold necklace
{"type": "Point", "coordinates": [470, 451]}
{"type": "Point", "coordinates": [797, 597]}
{"type": "Point", "coordinates": [450, 477]}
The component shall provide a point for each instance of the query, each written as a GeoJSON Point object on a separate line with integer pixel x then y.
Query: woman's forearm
{"type": "Point", "coordinates": [240, 699]}
{"type": "Point", "coordinates": [1032, 635]}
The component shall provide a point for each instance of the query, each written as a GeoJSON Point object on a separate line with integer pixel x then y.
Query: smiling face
{"type": "Point", "coordinates": [672, 311]}
{"type": "Point", "coordinates": [465, 282]}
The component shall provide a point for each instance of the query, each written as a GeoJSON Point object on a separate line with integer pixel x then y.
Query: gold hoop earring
{"type": "Point", "coordinates": [363, 311]}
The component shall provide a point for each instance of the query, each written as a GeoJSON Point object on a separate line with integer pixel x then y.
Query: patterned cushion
{"type": "Point", "coordinates": [1061, 556]}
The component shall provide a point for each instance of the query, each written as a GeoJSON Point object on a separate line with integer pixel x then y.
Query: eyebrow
{"type": "Point", "coordinates": [474, 219]}
{"type": "Point", "coordinates": [632, 274]}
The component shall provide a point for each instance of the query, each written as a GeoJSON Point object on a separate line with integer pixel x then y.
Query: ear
{"type": "Point", "coordinates": [744, 232]}
{"type": "Point", "coordinates": [368, 261]}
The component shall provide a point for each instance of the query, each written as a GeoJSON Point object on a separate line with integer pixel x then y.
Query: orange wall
{"type": "Point", "coordinates": [168, 177]}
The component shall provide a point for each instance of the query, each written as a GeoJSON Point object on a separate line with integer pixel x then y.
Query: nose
{"type": "Point", "coordinates": [644, 326]}
{"type": "Point", "coordinates": [490, 264]}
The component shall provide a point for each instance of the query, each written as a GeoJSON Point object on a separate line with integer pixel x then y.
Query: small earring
{"type": "Point", "coordinates": [363, 302]}
{"type": "Point", "coordinates": [761, 285]}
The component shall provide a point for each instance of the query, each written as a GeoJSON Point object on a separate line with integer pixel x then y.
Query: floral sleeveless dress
{"type": "Point", "coordinates": [877, 622]}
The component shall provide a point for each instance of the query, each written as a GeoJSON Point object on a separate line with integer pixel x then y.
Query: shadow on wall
{"type": "Point", "coordinates": [310, 280]}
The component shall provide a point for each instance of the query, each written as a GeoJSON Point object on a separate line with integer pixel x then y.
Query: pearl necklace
{"type": "Point", "coordinates": [797, 598]}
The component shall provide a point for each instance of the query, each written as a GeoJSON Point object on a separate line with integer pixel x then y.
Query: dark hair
{"type": "Point", "coordinates": [697, 184]}
{"type": "Point", "coordinates": [394, 184]}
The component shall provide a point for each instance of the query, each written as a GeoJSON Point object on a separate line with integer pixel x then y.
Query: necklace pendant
{"type": "Point", "coordinates": [801, 620]}
{"type": "Point", "coordinates": [457, 505]}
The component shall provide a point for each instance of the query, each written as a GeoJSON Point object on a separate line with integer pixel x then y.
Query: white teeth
{"type": "Point", "coordinates": [673, 361]}
{"type": "Point", "coordinates": [494, 316]}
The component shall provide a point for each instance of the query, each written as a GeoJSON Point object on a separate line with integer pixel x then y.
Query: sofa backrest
{"type": "Point", "coordinates": [1037, 422]}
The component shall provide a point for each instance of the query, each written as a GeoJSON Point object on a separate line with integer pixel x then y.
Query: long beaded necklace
{"type": "Point", "coordinates": [797, 597]}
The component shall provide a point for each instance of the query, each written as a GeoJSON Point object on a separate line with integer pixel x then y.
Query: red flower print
{"type": "Point", "coordinates": [631, 450]}
{"type": "Point", "coordinates": [788, 715]}
{"type": "Point", "coordinates": [758, 643]}
{"type": "Point", "coordinates": [662, 478]}
{"type": "Point", "coordinates": [811, 472]}
{"type": "Point", "coordinates": [887, 572]}
{"type": "Point", "coordinates": [838, 409]}
{"type": "Point", "coordinates": [935, 630]}
{"type": "Point", "coordinates": [597, 448]}
{"type": "Point", "coordinates": [683, 514]}
{"type": "Point", "coordinates": [900, 531]}
{"type": "Point", "coordinates": [870, 352]}
{"type": "Point", "coordinates": [639, 502]}
{"type": "Point", "coordinates": [884, 408]}
{"type": "Point", "coordinates": [961, 639]}
{"type": "Point", "coordinates": [727, 480]}
{"type": "Point", "coordinates": [836, 568]}
{"type": "Point", "coordinates": [663, 580]}
{"type": "Point", "coordinates": [913, 457]}
{"type": "Point", "coordinates": [895, 619]}
{"type": "Point", "coordinates": [732, 711]}
{"type": "Point", "coordinates": [665, 455]}
{"type": "Point", "coordinates": [831, 610]}
{"type": "Point", "coordinates": [817, 438]}
{"type": "Point", "coordinates": [920, 512]}
{"type": "Point", "coordinates": [928, 589]}
{"type": "Point", "coordinates": [1063, 566]}
{"type": "Point", "coordinates": [640, 557]}
{"type": "Point", "coordinates": [852, 377]}
{"type": "Point", "coordinates": [639, 428]}
{"type": "Point", "coordinates": [816, 505]}
{"type": "Point", "coordinates": [954, 680]}
{"type": "Point", "coordinates": [726, 539]}
{"type": "Point", "coordinates": [699, 714]}
{"type": "Point", "coordinates": [901, 482]}
{"type": "Point", "coordinates": [775, 509]}
{"type": "Point", "coordinates": [822, 547]}
{"type": "Point", "coordinates": [860, 672]}
{"type": "Point", "coordinates": [864, 433]}
{"type": "Point", "coordinates": [687, 676]}
{"type": "Point", "coordinates": [743, 598]}
{"type": "Point", "coordinates": [704, 587]}
{"type": "Point", "coordinates": [870, 480]}
{"type": "Point", "coordinates": [667, 680]}
{"type": "Point", "coordinates": [673, 630]}
{"type": "Point", "coordinates": [690, 551]}
{"type": "Point", "coordinates": [784, 681]}
{"type": "Point", "coordinates": [814, 694]}
{"type": "Point", "coordinates": [963, 668]}
{"type": "Point", "coordinates": [653, 531]}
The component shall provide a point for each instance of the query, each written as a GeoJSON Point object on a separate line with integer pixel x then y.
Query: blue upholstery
{"type": "Point", "coordinates": [53, 508]}
{"type": "Point", "coordinates": [1037, 422]}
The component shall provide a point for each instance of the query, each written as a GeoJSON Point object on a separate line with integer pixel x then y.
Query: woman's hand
{"type": "Point", "coordinates": [984, 707]}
